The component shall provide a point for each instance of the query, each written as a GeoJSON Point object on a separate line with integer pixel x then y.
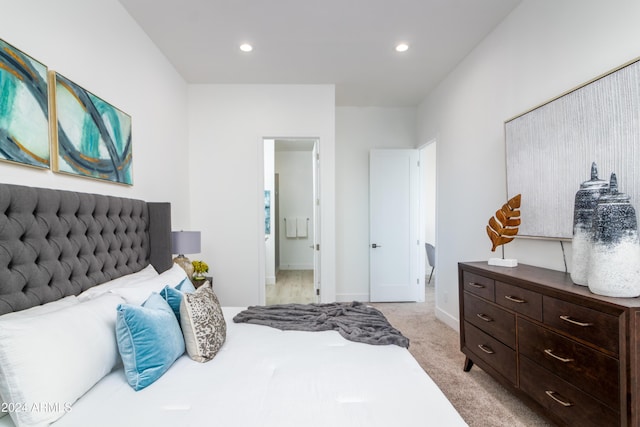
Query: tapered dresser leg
{"type": "Point", "coordinates": [468, 364]}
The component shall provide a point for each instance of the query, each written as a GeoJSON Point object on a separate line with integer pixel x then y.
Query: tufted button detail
{"type": "Point", "coordinates": [79, 239]}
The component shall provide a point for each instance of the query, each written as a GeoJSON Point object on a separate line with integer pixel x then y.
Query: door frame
{"type": "Point", "coordinates": [261, 215]}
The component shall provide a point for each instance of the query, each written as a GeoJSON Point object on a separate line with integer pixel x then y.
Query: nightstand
{"type": "Point", "coordinates": [198, 283]}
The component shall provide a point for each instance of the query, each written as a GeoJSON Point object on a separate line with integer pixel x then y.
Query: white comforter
{"type": "Point", "coordinates": [269, 378]}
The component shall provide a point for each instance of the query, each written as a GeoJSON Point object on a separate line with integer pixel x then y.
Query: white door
{"type": "Point", "coordinates": [393, 225]}
{"type": "Point", "coordinates": [316, 220]}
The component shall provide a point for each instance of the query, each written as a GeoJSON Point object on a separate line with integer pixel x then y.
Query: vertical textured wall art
{"type": "Point", "coordinates": [91, 137]}
{"type": "Point", "coordinates": [24, 112]}
{"type": "Point", "coordinates": [267, 212]}
{"type": "Point", "coordinates": [550, 149]}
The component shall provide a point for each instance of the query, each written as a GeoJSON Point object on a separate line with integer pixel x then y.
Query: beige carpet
{"type": "Point", "coordinates": [480, 400]}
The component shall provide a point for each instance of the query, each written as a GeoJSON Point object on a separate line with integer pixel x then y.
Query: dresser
{"type": "Point", "coordinates": [568, 353]}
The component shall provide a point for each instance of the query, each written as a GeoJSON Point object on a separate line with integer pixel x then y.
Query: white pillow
{"type": "Point", "coordinates": [136, 295]}
{"type": "Point", "coordinates": [36, 311]}
{"type": "Point", "coordinates": [55, 358]}
{"type": "Point", "coordinates": [121, 282]}
{"type": "Point", "coordinates": [42, 309]}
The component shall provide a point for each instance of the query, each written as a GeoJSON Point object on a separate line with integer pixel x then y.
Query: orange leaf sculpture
{"type": "Point", "coordinates": [504, 225]}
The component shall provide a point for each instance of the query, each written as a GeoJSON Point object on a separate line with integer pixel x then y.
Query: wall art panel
{"type": "Point", "coordinates": [24, 111]}
{"type": "Point", "coordinates": [92, 138]}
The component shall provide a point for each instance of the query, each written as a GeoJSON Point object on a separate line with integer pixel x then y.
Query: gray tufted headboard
{"type": "Point", "coordinates": [55, 243]}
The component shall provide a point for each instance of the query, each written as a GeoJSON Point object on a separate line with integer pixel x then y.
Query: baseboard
{"type": "Point", "coordinates": [351, 297]}
{"type": "Point", "coordinates": [270, 280]}
{"type": "Point", "coordinates": [447, 319]}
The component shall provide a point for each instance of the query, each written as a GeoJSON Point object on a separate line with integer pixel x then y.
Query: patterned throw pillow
{"type": "Point", "coordinates": [203, 324]}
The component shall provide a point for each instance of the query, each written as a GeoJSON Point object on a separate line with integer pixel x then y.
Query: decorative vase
{"type": "Point", "coordinates": [614, 267]}
{"type": "Point", "coordinates": [584, 205]}
{"type": "Point", "coordinates": [184, 262]}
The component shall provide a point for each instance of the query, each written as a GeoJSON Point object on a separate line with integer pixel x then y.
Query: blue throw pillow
{"type": "Point", "coordinates": [186, 286]}
{"type": "Point", "coordinates": [173, 296]}
{"type": "Point", "coordinates": [149, 340]}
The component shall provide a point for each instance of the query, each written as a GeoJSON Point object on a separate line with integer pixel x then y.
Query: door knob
{"type": "Point", "coordinates": [375, 245]}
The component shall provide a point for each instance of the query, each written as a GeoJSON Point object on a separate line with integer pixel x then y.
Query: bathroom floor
{"type": "Point", "coordinates": [292, 286]}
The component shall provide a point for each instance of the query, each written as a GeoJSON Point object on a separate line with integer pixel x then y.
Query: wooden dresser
{"type": "Point", "coordinates": [569, 354]}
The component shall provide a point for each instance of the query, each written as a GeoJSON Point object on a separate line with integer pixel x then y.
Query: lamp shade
{"type": "Point", "coordinates": [185, 242]}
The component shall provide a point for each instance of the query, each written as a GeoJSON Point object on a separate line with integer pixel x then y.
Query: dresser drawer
{"type": "Point", "coordinates": [589, 370]}
{"type": "Point", "coordinates": [492, 319]}
{"type": "Point", "coordinates": [583, 323]}
{"type": "Point", "coordinates": [568, 403]}
{"type": "Point", "coordinates": [521, 300]}
{"type": "Point", "coordinates": [479, 285]}
{"type": "Point", "coordinates": [490, 350]}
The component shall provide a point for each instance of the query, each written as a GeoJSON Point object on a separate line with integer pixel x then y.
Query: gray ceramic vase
{"type": "Point", "coordinates": [614, 267]}
{"type": "Point", "coordinates": [583, 210]}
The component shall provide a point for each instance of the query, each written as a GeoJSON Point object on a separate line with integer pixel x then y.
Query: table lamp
{"type": "Point", "coordinates": [185, 242]}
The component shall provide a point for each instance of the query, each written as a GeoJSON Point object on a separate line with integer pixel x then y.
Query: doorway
{"type": "Point", "coordinates": [291, 220]}
{"type": "Point", "coordinates": [427, 153]}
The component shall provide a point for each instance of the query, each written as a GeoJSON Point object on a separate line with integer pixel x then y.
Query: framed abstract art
{"type": "Point", "coordinates": [550, 149]}
{"type": "Point", "coordinates": [24, 110]}
{"type": "Point", "coordinates": [91, 137]}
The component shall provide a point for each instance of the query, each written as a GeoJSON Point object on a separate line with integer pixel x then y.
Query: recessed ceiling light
{"type": "Point", "coordinates": [246, 47]}
{"type": "Point", "coordinates": [402, 47]}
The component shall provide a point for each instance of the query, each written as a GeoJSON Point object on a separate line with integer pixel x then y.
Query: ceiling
{"type": "Point", "coordinates": [349, 43]}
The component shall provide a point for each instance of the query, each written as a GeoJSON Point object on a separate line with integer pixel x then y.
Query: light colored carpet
{"type": "Point", "coordinates": [480, 400]}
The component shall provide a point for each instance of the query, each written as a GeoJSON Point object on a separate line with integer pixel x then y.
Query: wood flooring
{"type": "Point", "coordinates": [292, 286]}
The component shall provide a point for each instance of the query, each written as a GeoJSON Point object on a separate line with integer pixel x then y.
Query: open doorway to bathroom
{"type": "Point", "coordinates": [291, 220]}
{"type": "Point", "coordinates": [427, 154]}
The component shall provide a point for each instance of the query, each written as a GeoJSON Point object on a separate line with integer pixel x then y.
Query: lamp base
{"type": "Point", "coordinates": [185, 263]}
{"type": "Point", "coordinates": [509, 262]}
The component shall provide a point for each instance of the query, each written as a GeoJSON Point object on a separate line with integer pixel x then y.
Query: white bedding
{"type": "Point", "coordinates": [266, 377]}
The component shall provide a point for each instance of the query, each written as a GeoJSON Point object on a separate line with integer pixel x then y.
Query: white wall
{"type": "Point", "coordinates": [227, 124]}
{"type": "Point", "coordinates": [100, 47]}
{"type": "Point", "coordinates": [358, 130]}
{"type": "Point", "coordinates": [295, 172]}
{"type": "Point", "coordinates": [544, 48]}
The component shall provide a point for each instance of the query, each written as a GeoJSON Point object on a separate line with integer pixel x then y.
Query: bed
{"type": "Point", "coordinates": [72, 263]}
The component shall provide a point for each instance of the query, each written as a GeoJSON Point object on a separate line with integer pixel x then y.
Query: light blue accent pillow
{"type": "Point", "coordinates": [173, 296]}
{"type": "Point", "coordinates": [149, 340]}
{"type": "Point", "coordinates": [186, 286]}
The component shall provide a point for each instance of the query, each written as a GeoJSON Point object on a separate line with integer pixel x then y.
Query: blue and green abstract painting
{"type": "Point", "coordinates": [267, 212]}
{"type": "Point", "coordinates": [94, 137]}
{"type": "Point", "coordinates": [24, 112]}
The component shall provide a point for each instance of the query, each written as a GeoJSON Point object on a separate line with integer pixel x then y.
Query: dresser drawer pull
{"type": "Point", "coordinates": [476, 285]}
{"type": "Point", "coordinates": [562, 359]}
{"type": "Point", "coordinates": [575, 322]}
{"type": "Point", "coordinates": [484, 317]}
{"type": "Point", "coordinates": [515, 299]}
{"type": "Point", "coordinates": [485, 349]}
{"type": "Point", "coordinates": [552, 394]}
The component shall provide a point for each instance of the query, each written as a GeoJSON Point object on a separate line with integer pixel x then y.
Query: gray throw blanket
{"type": "Point", "coordinates": [354, 321]}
